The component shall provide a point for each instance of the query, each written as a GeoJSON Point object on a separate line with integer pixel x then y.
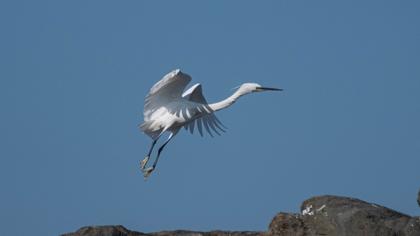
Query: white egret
{"type": "Point", "coordinates": [168, 108]}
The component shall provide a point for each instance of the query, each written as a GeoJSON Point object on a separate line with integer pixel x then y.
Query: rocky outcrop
{"type": "Point", "coordinates": [211, 233]}
{"type": "Point", "coordinates": [332, 215]}
{"type": "Point", "coordinates": [121, 231]}
{"type": "Point", "coordinates": [108, 230]}
{"type": "Point", "coordinates": [322, 215]}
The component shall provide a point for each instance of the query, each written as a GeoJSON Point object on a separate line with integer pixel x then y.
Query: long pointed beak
{"type": "Point", "coordinates": [270, 89]}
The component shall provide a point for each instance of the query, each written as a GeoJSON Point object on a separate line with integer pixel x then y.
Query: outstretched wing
{"type": "Point", "coordinates": [207, 118]}
{"type": "Point", "coordinates": [169, 88]}
{"type": "Point", "coordinates": [195, 94]}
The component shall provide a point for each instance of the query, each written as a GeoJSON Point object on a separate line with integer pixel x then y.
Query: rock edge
{"type": "Point", "coordinates": [321, 215]}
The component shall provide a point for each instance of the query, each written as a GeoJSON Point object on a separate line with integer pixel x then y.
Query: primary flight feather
{"type": "Point", "coordinates": [167, 108]}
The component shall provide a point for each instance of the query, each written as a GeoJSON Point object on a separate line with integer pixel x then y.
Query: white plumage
{"type": "Point", "coordinates": [168, 108]}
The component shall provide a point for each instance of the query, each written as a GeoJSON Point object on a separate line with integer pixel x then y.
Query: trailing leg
{"type": "Point", "coordinates": [149, 170]}
{"type": "Point", "coordinates": [143, 163]}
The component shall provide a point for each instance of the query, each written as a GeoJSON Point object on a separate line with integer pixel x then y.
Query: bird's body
{"type": "Point", "coordinates": [168, 108]}
{"type": "Point", "coordinates": [163, 119]}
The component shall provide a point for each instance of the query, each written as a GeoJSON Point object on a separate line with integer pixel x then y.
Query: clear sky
{"type": "Point", "coordinates": [72, 84]}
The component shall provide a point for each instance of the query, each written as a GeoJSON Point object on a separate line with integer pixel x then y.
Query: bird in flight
{"type": "Point", "coordinates": [167, 108]}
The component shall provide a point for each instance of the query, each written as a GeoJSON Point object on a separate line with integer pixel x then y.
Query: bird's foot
{"type": "Point", "coordinates": [144, 162]}
{"type": "Point", "coordinates": [147, 172]}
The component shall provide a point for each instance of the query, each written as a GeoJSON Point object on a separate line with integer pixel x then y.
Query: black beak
{"type": "Point", "coordinates": [270, 89]}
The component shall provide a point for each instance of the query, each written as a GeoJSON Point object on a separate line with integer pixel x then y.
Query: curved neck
{"type": "Point", "coordinates": [227, 102]}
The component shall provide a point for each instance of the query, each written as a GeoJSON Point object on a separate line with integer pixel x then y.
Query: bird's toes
{"type": "Point", "coordinates": [144, 162]}
{"type": "Point", "coordinates": [147, 172]}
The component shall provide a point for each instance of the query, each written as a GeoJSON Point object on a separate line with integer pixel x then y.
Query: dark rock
{"type": "Point", "coordinates": [332, 215]}
{"type": "Point", "coordinates": [287, 224]}
{"type": "Point", "coordinates": [323, 215]}
{"type": "Point", "coordinates": [418, 198]}
{"type": "Point", "coordinates": [211, 233]}
{"type": "Point", "coordinates": [108, 230]}
{"type": "Point", "coordinates": [119, 230]}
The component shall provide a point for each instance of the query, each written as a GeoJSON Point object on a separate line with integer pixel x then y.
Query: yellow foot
{"type": "Point", "coordinates": [147, 172]}
{"type": "Point", "coordinates": [144, 162]}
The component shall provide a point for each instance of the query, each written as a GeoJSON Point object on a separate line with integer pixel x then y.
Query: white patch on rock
{"type": "Point", "coordinates": [308, 211]}
{"type": "Point", "coordinates": [320, 209]}
{"type": "Point", "coordinates": [325, 213]}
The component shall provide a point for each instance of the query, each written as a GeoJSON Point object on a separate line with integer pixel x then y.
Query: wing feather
{"type": "Point", "coordinates": [191, 127]}
{"type": "Point", "coordinates": [169, 88]}
{"type": "Point", "coordinates": [206, 125]}
{"type": "Point", "coordinates": [207, 117]}
{"type": "Point", "coordinates": [195, 94]}
{"type": "Point", "coordinates": [211, 124]}
{"type": "Point", "coordinates": [217, 121]}
{"type": "Point", "coordinates": [200, 128]}
{"type": "Point", "coordinates": [216, 124]}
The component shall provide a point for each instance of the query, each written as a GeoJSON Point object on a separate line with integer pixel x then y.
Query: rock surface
{"type": "Point", "coordinates": [322, 215]}
{"type": "Point", "coordinates": [418, 198]}
{"type": "Point", "coordinates": [332, 215]}
{"type": "Point", "coordinates": [111, 230]}
{"type": "Point", "coordinates": [121, 231]}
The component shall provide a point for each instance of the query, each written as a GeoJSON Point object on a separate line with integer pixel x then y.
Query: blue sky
{"type": "Point", "coordinates": [74, 76]}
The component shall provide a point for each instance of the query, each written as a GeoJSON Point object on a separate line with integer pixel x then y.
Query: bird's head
{"type": "Point", "coordinates": [254, 87]}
